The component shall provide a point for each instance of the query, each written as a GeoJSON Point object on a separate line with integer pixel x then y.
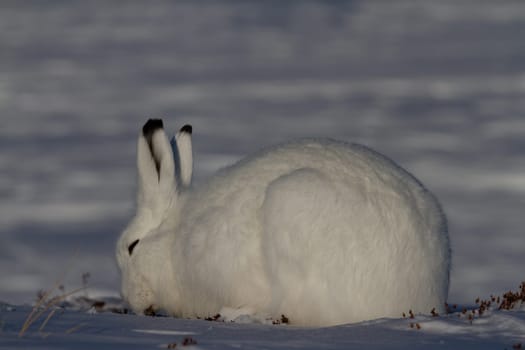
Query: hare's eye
{"type": "Point", "coordinates": [132, 246]}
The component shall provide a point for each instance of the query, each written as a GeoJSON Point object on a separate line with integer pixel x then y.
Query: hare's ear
{"type": "Point", "coordinates": [181, 144]}
{"type": "Point", "coordinates": [156, 168]}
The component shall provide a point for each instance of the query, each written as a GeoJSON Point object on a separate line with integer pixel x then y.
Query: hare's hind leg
{"type": "Point", "coordinates": [302, 244]}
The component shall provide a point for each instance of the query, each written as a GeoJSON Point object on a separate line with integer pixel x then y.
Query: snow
{"type": "Point", "coordinates": [67, 329]}
{"type": "Point", "coordinates": [437, 86]}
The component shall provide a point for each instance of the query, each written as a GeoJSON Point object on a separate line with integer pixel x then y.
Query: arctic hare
{"type": "Point", "coordinates": [321, 231]}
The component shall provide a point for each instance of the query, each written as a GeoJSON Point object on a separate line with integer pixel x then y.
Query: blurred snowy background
{"type": "Point", "coordinates": [439, 86]}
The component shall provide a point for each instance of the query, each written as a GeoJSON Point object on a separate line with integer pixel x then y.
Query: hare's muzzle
{"type": "Point", "coordinates": [150, 311]}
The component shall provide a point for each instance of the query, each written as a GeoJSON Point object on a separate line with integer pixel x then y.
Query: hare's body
{"type": "Point", "coordinates": [321, 231]}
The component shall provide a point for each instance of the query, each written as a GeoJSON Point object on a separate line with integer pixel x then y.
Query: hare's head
{"type": "Point", "coordinates": [143, 250]}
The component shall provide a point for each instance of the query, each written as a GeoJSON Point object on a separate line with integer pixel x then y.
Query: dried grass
{"type": "Point", "coordinates": [44, 304]}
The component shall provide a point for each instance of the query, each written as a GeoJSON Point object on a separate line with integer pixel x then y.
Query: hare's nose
{"type": "Point", "coordinates": [150, 311]}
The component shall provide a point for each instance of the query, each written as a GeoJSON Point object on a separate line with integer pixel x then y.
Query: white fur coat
{"type": "Point", "coordinates": [321, 231]}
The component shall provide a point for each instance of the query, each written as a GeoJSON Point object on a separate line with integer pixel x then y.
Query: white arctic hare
{"type": "Point", "coordinates": [323, 232]}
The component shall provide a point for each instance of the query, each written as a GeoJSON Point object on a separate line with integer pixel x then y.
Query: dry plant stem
{"type": "Point", "coordinates": [41, 329]}
{"type": "Point", "coordinates": [33, 317]}
{"type": "Point", "coordinates": [30, 318]}
{"type": "Point", "coordinates": [75, 328]}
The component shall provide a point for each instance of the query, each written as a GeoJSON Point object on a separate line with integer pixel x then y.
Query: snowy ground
{"type": "Point", "coordinates": [439, 86]}
{"type": "Point", "coordinates": [87, 330]}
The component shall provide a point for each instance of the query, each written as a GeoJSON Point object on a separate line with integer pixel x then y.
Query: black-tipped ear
{"type": "Point", "coordinates": [187, 128]}
{"type": "Point", "coordinates": [151, 125]}
{"type": "Point", "coordinates": [181, 144]}
{"type": "Point", "coordinates": [148, 130]}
